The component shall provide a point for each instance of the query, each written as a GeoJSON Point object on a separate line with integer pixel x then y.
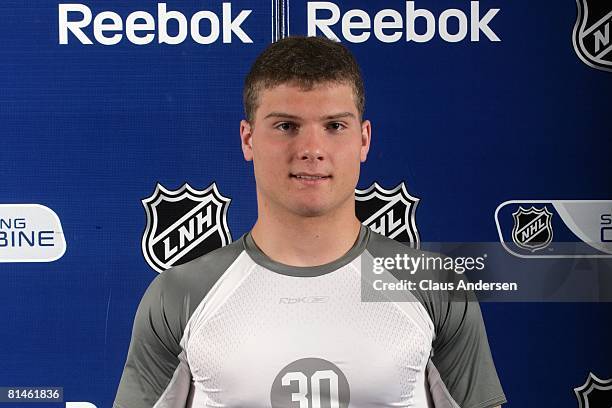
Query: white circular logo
{"type": "Point", "coordinates": [310, 383]}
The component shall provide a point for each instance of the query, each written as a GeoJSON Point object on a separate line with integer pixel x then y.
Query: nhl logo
{"type": "Point", "coordinates": [591, 35]}
{"type": "Point", "coordinates": [389, 212]}
{"type": "Point", "coordinates": [532, 228]}
{"type": "Point", "coordinates": [183, 225]}
{"type": "Point", "coordinates": [595, 393]}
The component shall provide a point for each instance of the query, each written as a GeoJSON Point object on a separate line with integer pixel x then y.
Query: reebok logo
{"type": "Point", "coordinates": [140, 27]}
{"type": "Point", "coordinates": [305, 299]}
{"type": "Point", "coordinates": [389, 25]}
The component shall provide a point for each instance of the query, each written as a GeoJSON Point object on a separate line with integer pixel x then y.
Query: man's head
{"type": "Point", "coordinates": [304, 62]}
{"type": "Point", "coordinates": [305, 133]}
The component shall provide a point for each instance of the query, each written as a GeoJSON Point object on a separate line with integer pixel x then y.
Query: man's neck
{"type": "Point", "coordinates": [306, 241]}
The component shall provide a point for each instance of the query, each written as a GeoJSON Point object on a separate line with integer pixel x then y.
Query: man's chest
{"type": "Point", "coordinates": [306, 342]}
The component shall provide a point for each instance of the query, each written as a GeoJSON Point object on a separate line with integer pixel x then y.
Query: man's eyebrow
{"type": "Point", "coordinates": [339, 116]}
{"type": "Point", "coordinates": [284, 115]}
{"type": "Point", "coordinates": [281, 115]}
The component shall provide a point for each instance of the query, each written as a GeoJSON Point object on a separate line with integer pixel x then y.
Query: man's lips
{"type": "Point", "coordinates": [310, 178]}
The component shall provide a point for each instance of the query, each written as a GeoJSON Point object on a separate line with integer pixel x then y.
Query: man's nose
{"type": "Point", "coordinates": [311, 145]}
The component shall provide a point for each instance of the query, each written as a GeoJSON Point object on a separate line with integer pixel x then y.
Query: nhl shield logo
{"type": "Point", "coordinates": [591, 35]}
{"type": "Point", "coordinates": [595, 393]}
{"type": "Point", "coordinates": [389, 212]}
{"type": "Point", "coordinates": [532, 228]}
{"type": "Point", "coordinates": [183, 225]}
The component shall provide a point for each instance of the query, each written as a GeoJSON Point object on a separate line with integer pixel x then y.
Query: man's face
{"type": "Point", "coordinates": [306, 148]}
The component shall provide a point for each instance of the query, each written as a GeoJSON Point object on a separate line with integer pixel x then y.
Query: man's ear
{"type": "Point", "coordinates": [246, 139]}
{"type": "Point", "coordinates": [366, 137]}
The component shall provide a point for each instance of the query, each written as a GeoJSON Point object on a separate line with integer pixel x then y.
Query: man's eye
{"type": "Point", "coordinates": [336, 126]}
{"type": "Point", "coordinates": [286, 126]}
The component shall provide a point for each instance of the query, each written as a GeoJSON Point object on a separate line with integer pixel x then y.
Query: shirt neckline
{"type": "Point", "coordinates": [263, 260]}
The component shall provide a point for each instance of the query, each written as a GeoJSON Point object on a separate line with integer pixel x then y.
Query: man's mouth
{"type": "Point", "coordinates": [310, 177]}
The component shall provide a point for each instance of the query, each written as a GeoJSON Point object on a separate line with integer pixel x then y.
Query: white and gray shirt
{"type": "Point", "coordinates": [237, 329]}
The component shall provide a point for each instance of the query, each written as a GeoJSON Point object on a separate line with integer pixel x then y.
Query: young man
{"type": "Point", "coordinates": [276, 319]}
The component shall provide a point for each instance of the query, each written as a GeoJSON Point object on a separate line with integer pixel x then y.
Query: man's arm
{"type": "Point", "coordinates": [155, 364]}
{"type": "Point", "coordinates": [156, 371]}
{"type": "Point", "coordinates": [462, 356]}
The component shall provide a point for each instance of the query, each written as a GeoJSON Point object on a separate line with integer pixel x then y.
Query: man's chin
{"type": "Point", "coordinates": [311, 211]}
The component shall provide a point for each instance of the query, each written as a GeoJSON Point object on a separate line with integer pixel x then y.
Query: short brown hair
{"type": "Point", "coordinates": [306, 62]}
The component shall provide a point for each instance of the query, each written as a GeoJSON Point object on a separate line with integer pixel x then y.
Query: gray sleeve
{"type": "Point", "coordinates": [462, 356]}
{"type": "Point", "coordinates": [155, 346]}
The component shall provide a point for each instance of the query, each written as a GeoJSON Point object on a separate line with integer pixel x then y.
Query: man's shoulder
{"type": "Point", "coordinates": [207, 266]}
{"type": "Point", "coordinates": [382, 246]}
{"type": "Point", "coordinates": [190, 282]}
{"type": "Point", "coordinates": [424, 265]}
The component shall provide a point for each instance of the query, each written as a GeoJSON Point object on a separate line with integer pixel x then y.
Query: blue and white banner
{"type": "Point", "coordinates": [120, 157]}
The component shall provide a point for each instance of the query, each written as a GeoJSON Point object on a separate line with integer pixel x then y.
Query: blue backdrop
{"type": "Point", "coordinates": [88, 131]}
